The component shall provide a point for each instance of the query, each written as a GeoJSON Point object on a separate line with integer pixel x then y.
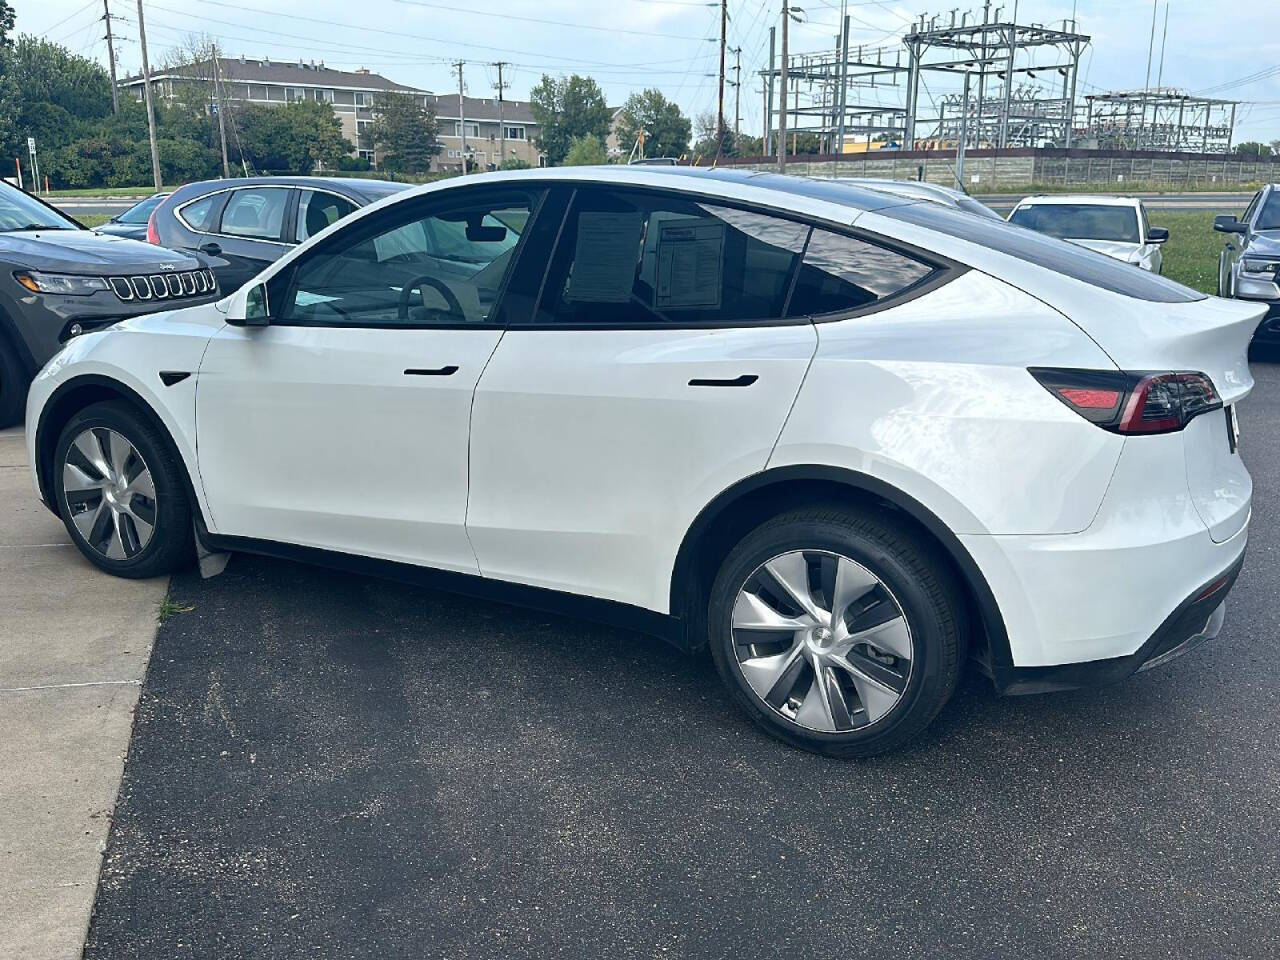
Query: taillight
{"type": "Point", "coordinates": [153, 235]}
{"type": "Point", "coordinates": [1132, 402]}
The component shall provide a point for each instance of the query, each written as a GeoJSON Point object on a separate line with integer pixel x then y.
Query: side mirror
{"type": "Point", "coordinates": [249, 307]}
{"type": "Point", "coordinates": [1227, 223]}
{"type": "Point", "coordinates": [1157, 235]}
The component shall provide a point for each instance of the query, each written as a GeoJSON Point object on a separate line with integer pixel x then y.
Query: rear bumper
{"type": "Point", "coordinates": [1197, 619]}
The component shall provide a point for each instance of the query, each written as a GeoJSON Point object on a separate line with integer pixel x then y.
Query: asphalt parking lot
{"type": "Point", "coordinates": [324, 765]}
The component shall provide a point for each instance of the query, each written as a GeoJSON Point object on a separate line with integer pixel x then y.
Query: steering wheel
{"type": "Point", "coordinates": [455, 307]}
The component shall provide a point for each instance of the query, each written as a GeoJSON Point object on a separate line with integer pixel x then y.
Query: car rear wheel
{"type": "Point", "coordinates": [13, 387]}
{"type": "Point", "coordinates": [120, 492]}
{"type": "Point", "coordinates": [838, 631]}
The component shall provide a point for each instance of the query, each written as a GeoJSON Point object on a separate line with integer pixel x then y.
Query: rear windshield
{"type": "Point", "coordinates": [141, 212]}
{"type": "Point", "coordinates": [1080, 221]}
{"type": "Point", "coordinates": [1048, 252]}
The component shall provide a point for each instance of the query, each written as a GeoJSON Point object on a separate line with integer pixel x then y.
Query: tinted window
{"type": "Point", "coordinates": [1056, 255]}
{"type": "Point", "coordinates": [439, 267]}
{"type": "Point", "coordinates": [635, 258]}
{"type": "Point", "coordinates": [141, 212]}
{"type": "Point", "coordinates": [1080, 221]}
{"type": "Point", "coordinates": [316, 210]}
{"type": "Point", "coordinates": [1269, 215]}
{"type": "Point", "coordinates": [256, 212]}
{"type": "Point", "coordinates": [197, 213]}
{"type": "Point", "coordinates": [843, 273]}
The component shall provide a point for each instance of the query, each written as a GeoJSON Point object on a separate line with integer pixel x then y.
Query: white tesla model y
{"type": "Point", "coordinates": [845, 440]}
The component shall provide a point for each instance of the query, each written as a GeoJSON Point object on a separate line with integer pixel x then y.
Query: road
{"type": "Point", "coordinates": [326, 765]}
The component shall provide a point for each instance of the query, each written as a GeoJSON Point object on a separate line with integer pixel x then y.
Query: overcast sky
{"type": "Point", "coordinates": [627, 45]}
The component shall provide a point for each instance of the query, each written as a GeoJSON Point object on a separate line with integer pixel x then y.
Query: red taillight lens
{"type": "Point", "coordinates": [1132, 402]}
{"type": "Point", "coordinates": [153, 235]}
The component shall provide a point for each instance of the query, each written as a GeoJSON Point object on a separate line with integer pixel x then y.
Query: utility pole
{"type": "Point", "coordinates": [844, 85]}
{"type": "Point", "coordinates": [1163, 40]}
{"type": "Point", "coordinates": [111, 58]}
{"type": "Point", "coordinates": [222, 122]}
{"type": "Point", "coordinates": [737, 91]}
{"type": "Point", "coordinates": [724, 31]}
{"type": "Point", "coordinates": [782, 92]}
{"type": "Point", "coordinates": [502, 130]}
{"type": "Point", "coordinates": [964, 135]}
{"type": "Point", "coordinates": [151, 113]}
{"type": "Point", "coordinates": [768, 97]}
{"type": "Point", "coordinates": [1155, 6]}
{"type": "Point", "coordinates": [462, 115]}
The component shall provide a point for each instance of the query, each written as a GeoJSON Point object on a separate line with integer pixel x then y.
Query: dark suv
{"type": "Point", "coordinates": [251, 222]}
{"type": "Point", "coordinates": [1249, 264]}
{"type": "Point", "coordinates": [58, 279]}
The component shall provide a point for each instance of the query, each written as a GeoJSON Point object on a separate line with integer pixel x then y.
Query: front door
{"type": "Point", "coordinates": [343, 424]}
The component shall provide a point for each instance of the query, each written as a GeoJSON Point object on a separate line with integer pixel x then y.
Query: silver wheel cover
{"type": "Point", "coordinates": [822, 641]}
{"type": "Point", "coordinates": [109, 494]}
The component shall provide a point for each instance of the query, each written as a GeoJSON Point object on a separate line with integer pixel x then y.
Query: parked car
{"type": "Point", "coordinates": [1116, 226]}
{"type": "Point", "coordinates": [248, 223]}
{"type": "Point", "coordinates": [133, 222]}
{"type": "Point", "coordinates": [1249, 265]}
{"type": "Point", "coordinates": [919, 190]}
{"type": "Point", "coordinates": [58, 279]}
{"type": "Point", "coordinates": [842, 439]}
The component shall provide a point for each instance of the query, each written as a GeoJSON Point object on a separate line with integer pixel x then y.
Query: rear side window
{"type": "Point", "coordinates": [638, 259]}
{"type": "Point", "coordinates": [256, 213]}
{"type": "Point", "coordinates": [1059, 256]}
{"type": "Point", "coordinates": [196, 214]}
{"type": "Point", "coordinates": [840, 274]}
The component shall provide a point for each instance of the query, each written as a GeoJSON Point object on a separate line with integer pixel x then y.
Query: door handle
{"type": "Point", "coordinates": [746, 380]}
{"type": "Point", "coordinates": [437, 372]}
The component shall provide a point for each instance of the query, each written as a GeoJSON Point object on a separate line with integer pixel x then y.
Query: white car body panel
{"type": "Point", "coordinates": [591, 454]}
{"type": "Point", "coordinates": [317, 437]}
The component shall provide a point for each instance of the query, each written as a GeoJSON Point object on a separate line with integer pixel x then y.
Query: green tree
{"type": "Point", "coordinates": [666, 129]}
{"type": "Point", "coordinates": [585, 152]}
{"type": "Point", "coordinates": [405, 132]}
{"type": "Point", "coordinates": [567, 108]}
{"type": "Point", "coordinates": [294, 137]}
{"type": "Point", "coordinates": [48, 93]}
{"type": "Point", "coordinates": [6, 23]}
{"type": "Point", "coordinates": [1251, 148]}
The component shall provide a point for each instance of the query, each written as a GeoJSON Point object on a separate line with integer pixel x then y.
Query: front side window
{"type": "Point", "coordinates": [317, 209]}
{"type": "Point", "coordinates": [256, 212]}
{"type": "Point", "coordinates": [841, 274]}
{"type": "Point", "coordinates": [442, 267]}
{"type": "Point", "coordinates": [1080, 221]}
{"type": "Point", "coordinates": [634, 258]}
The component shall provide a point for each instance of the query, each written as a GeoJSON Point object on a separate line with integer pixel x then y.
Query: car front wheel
{"type": "Point", "coordinates": [120, 493]}
{"type": "Point", "coordinates": [838, 631]}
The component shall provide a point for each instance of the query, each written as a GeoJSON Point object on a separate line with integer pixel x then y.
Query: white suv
{"type": "Point", "coordinates": [846, 440]}
{"type": "Point", "coordinates": [1116, 226]}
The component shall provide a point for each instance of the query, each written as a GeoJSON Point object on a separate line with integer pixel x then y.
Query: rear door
{"type": "Point", "coordinates": [654, 371]}
{"type": "Point", "coordinates": [251, 232]}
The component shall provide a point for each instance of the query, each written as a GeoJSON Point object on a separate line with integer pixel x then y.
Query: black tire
{"type": "Point", "coordinates": [918, 580]}
{"type": "Point", "coordinates": [13, 386]}
{"type": "Point", "coordinates": [171, 544]}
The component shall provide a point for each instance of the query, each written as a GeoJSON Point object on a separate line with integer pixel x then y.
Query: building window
{"type": "Point", "coordinates": [364, 99]}
{"type": "Point", "coordinates": [513, 133]}
{"type": "Point", "coordinates": [294, 93]}
{"type": "Point", "coordinates": [324, 96]}
{"type": "Point", "coordinates": [473, 129]}
{"type": "Point", "coordinates": [366, 154]}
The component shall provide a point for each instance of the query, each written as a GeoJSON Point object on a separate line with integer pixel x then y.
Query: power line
{"type": "Point", "coordinates": [551, 23]}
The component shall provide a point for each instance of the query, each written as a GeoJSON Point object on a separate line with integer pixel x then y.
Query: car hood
{"type": "Point", "coordinates": [86, 252]}
{"type": "Point", "coordinates": [1112, 248]}
{"type": "Point", "coordinates": [1265, 244]}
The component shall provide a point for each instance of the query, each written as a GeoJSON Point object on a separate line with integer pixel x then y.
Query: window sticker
{"type": "Point", "coordinates": [604, 260]}
{"type": "Point", "coordinates": [690, 264]}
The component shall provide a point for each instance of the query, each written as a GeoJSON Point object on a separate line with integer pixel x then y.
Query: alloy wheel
{"type": "Point", "coordinates": [109, 493]}
{"type": "Point", "coordinates": [822, 641]}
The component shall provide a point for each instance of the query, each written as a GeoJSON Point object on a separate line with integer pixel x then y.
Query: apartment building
{"type": "Point", "coordinates": [352, 93]}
